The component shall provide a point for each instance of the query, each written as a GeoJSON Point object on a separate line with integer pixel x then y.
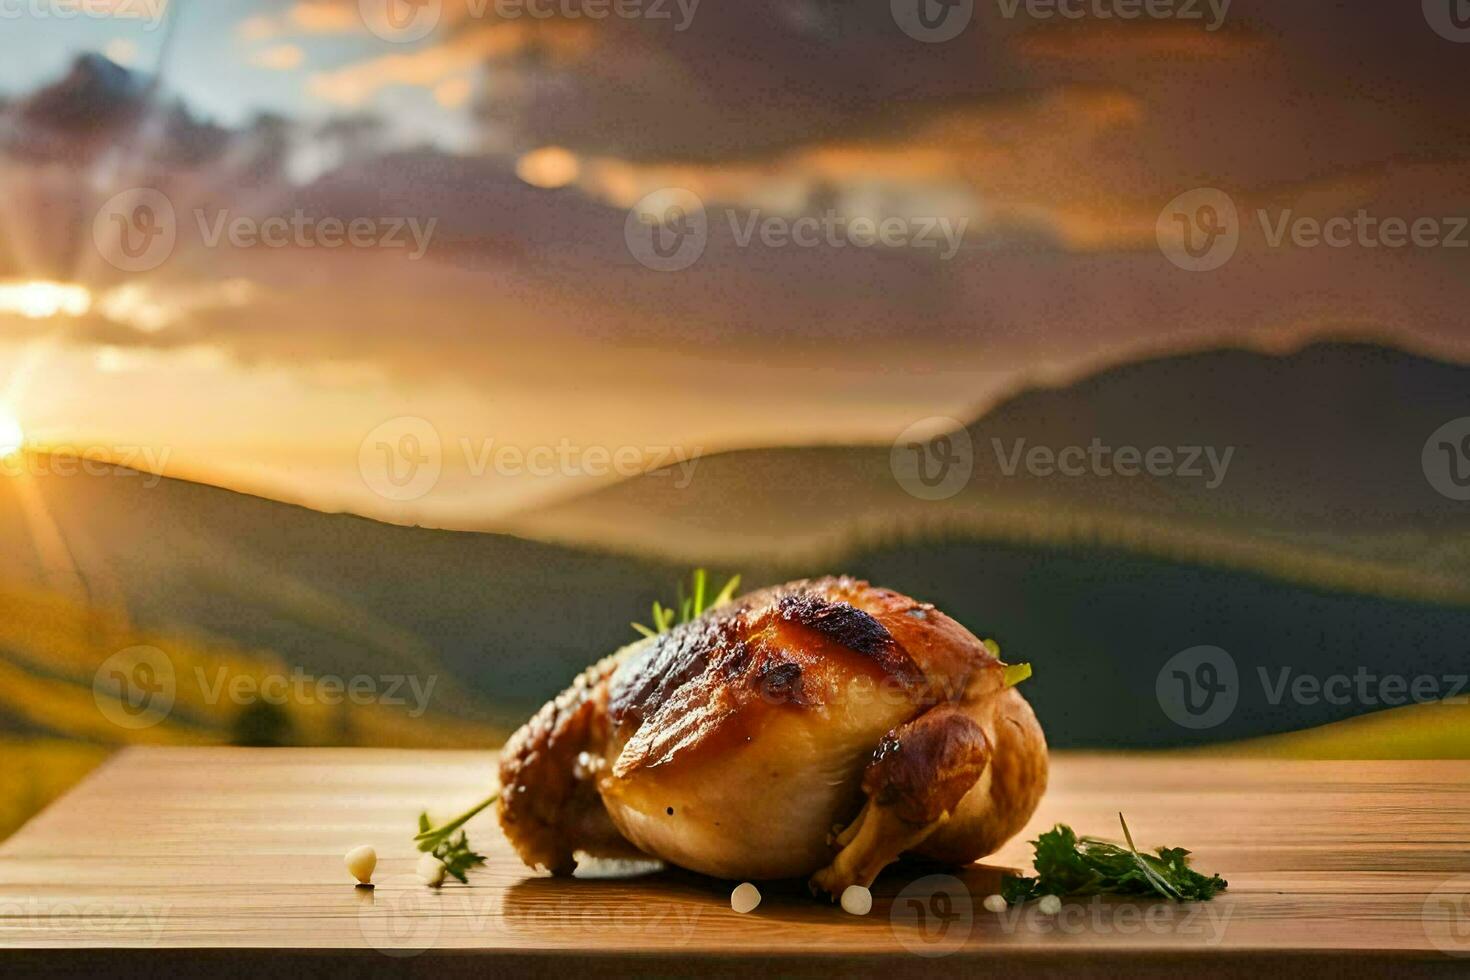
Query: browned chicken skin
{"type": "Point", "coordinates": [821, 729]}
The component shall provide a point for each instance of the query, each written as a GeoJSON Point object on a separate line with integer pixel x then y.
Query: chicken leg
{"type": "Point", "coordinates": [919, 773]}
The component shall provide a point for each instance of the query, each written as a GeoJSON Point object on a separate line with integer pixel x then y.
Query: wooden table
{"type": "Point", "coordinates": [230, 860]}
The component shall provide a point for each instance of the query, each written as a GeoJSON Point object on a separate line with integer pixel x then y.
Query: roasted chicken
{"type": "Point", "coordinates": [824, 728]}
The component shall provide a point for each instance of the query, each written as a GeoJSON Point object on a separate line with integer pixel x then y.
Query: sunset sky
{"type": "Point", "coordinates": [523, 144]}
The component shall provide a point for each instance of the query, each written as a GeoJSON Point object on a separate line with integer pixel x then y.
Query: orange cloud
{"type": "Point", "coordinates": [318, 17]}
{"type": "Point", "coordinates": [304, 17]}
{"type": "Point", "coordinates": [465, 51]}
{"type": "Point", "coordinates": [1097, 40]}
{"type": "Point", "coordinates": [1027, 164]}
{"type": "Point", "coordinates": [280, 57]}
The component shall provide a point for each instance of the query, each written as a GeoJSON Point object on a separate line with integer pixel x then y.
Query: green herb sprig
{"type": "Point", "coordinates": [453, 849]}
{"type": "Point", "coordinates": [1015, 673]}
{"type": "Point", "coordinates": [1070, 865]}
{"type": "Point", "coordinates": [688, 607]}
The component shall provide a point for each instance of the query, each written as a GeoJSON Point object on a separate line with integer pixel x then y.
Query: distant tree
{"type": "Point", "coordinates": [262, 725]}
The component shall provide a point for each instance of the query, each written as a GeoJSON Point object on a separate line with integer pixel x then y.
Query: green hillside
{"type": "Point", "coordinates": [55, 726]}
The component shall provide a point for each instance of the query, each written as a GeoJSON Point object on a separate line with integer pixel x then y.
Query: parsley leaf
{"type": "Point", "coordinates": [689, 607]}
{"type": "Point", "coordinates": [457, 857]}
{"type": "Point", "coordinates": [451, 848]}
{"type": "Point", "coordinates": [1070, 865]}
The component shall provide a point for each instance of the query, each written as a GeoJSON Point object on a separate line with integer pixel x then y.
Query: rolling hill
{"type": "Point", "coordinates": [57, 721]}
{"type": "Point", "coordinates": [1309, 469]}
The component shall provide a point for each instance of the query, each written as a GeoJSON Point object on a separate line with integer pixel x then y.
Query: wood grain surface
{"type": "Point", "coordinates": [230, 860]}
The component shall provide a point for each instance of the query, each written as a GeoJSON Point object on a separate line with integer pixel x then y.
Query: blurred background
{"type": "Point", "coordinates": [367, 366]}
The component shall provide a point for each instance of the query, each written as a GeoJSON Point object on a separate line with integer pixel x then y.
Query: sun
{"type": "Point", "coordinates": [12, 436]}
